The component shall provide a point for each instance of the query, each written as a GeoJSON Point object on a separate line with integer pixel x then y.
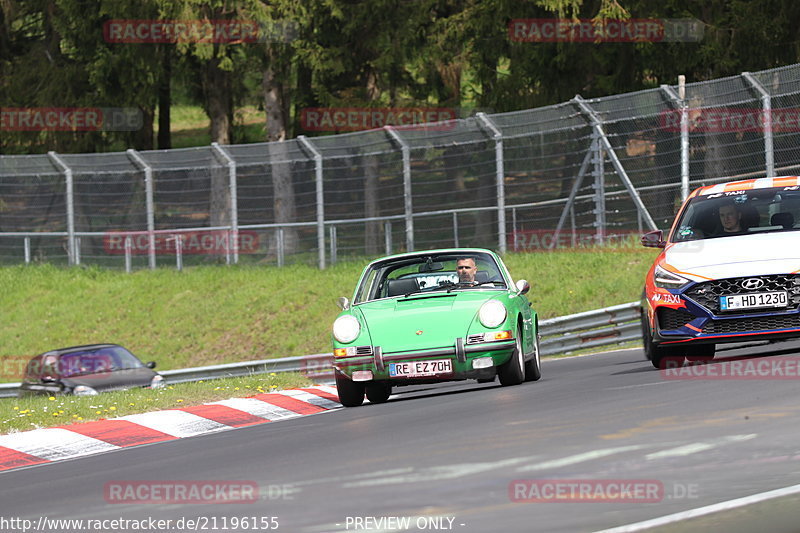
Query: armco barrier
{"type": "Point", "coordinates": [600, 327]}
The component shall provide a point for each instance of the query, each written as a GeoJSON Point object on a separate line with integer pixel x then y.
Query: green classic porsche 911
{"type": "Point", "coordinates": [433, 316]}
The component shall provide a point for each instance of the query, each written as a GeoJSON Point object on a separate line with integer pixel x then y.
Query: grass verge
{"type": "Point", "coordinates": [22, 414]}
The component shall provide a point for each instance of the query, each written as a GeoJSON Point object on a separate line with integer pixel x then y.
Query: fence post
{"type": "Point", "coordinates": [408, 206]}
{"type": "Point", "coordinates": [148, 186]}
{"type": "Point", "coordinates": [680, 101]}
{"type": "Point", "coordinates": [56, 159]}
{"type": "Point", "coordinates": [569, 207]}
{"type": "Point", "coordinates": [500, 181]}
{"type": "Point", "coordinates": [599, 190]}
{"type": "Point", "coordinates": [320, 199]}
{"type": "Point", "coordinates": [334, 244]}
{"type": "Point", "coordinates": [766, 114]}
{"type": "Point", "coordinates": [279, 238]}
{"type": "Point", "coordinates": [27, 246]}
{"type": "Point", "coordinates": [387, 236]}
{"type": "Point", "coordinates": [597, 126]}
{"type": "Point", "coordinates": [233, 236]}
{"type": "Point", "coordinates": [455, 229]}
{"type": "Point", "coordinates": [128, 252]}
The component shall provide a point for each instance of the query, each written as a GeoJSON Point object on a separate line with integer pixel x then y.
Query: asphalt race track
{"type": "Point", "coordinates": [453, 457]}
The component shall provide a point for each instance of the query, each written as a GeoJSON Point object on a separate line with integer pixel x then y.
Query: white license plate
{"type": "Point", "coordinates": [753, 300]}
{"type": "Point", "coordinates": [417, 369]}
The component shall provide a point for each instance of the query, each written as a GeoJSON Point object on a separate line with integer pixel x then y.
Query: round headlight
{"type": "Point", "coordinates": [83, 390]}
{"type": "Point", "coordinates": [346, 329]}
{"type": "Point", "coordinates": [492, 314]}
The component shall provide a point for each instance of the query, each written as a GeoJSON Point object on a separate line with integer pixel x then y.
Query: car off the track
{"type": "Point", "coordinates": [412, 320]}
{"type": "Point", "coordinates": [87, 370]}
{"type": "Point", "coordinates": [729, 271]}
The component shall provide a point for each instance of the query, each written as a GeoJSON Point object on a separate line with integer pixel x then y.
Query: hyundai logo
{"type": "Point", "coordinates": [751, 284]}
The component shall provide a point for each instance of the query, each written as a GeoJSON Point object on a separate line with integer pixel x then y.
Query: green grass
{"type": "Point", "coordinates": [22, 414]}
{"type": "Point", "coordinates": [218, 314]}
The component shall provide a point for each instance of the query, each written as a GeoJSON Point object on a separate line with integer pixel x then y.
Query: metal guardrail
{"type": "Point", "coordinates": [600, 327]}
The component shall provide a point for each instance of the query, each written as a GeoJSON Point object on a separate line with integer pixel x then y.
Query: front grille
{"type": "Point", "coordinates": [707, 293]}
{"type": "Point", "coordinates": [673, 318]}
{"type": "Point", "coordinates": [743, 325]}
{"type": "Point", "coordinates": [474, 339]}
{"type": "Point", "coordinates": [363, 350]}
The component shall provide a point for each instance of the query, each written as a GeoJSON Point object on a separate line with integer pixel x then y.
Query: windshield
{"type": "Point", "coordinates": [96, 361]}
{"type": "Point", "coordinates": [403, 276]}
{"type": "Point", "coordinates": [739, 213]}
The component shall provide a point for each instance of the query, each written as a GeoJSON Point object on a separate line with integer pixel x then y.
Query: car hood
{"type": "Point", "coordinates": [118, 379]}
{"type": "Point", "coordinates": [743, 255]}
{"type": "Point", "coordinates": [422, 321]}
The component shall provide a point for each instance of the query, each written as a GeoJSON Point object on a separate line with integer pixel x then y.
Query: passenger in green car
{"type": "Point", "coordinates": [466, 268]}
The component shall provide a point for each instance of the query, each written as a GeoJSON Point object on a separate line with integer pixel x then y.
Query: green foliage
{"type": "Point", "coordinates": [345, 53]}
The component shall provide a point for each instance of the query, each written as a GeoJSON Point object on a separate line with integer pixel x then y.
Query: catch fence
{"type": "Point", "coordinates": [586, 171]}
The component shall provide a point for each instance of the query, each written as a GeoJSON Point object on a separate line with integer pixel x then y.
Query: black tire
{"type": "Point", "coordinates": [378, 391]}
{"type": "Point", "coordinates": [701, 352]}
{"type": "Point", "coordinates": [659, 356]}
{"type": "Point", "coordinates": [533, 366]}
{"type": "Point", "coordinates": [351, 393]}
{"type": "Point", "coordinates": [512, 372]}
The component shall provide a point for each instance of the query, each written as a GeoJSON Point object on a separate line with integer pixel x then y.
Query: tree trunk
{"type": "Point", "coordinates": [371, 206]}
{"type": "Point", "coordinates": [165, 100]}
{"type": "Point", "coordinates": [282, 184]}
{"type": "Point", "coordinates": [219, 107]}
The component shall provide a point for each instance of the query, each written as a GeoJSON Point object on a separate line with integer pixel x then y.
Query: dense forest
{"type": "Point", "coordinates": [286, 57]}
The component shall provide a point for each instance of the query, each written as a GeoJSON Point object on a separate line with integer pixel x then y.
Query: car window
{"type": "Point", "coordinates": [424, 273]}
{"type": "Point", "coordinates": [765, 210]}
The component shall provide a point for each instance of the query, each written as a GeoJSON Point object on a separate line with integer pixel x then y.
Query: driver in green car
{"type": "Point", "coordinates": [466, 268]}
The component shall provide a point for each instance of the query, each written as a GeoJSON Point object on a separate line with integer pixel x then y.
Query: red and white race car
{"type": "Point", "coordinates": [729, 270]}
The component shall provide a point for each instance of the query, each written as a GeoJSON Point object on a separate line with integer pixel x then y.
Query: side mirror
{"type": "Point", "coordinates": [653, 239]}
{"type": "Point", "coordinates": [523, 286]}
{"type": "Point", "coordinates": [150, 364]}
{"type": "Point", "coordinates": [343, 303]}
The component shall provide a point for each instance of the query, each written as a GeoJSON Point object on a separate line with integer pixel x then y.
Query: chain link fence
{"type": "Point", "coordinates": [580, 172]}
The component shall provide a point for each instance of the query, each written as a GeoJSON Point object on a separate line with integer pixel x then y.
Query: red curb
{"type": "Point", "coordinates": [13, 459]}
{"type": "Point", "coordinates": [225, 415]}
{"type": "Point", "coordinates": [119, 432]}
{"type": "Point", "coordinates": [292, 404]}
{"type": "Point", "coordinates": [323, 394]}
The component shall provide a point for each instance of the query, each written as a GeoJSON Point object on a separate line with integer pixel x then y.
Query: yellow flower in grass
{"type": "Point", "coordinates": [52, 398]}
{"type": "Point", "coordinates": [113, 408]}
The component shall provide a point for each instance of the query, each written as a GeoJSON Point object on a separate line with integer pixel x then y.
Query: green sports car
{"type": "Point", "coordinates": [433, 316]}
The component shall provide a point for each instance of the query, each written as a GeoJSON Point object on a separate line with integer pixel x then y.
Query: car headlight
{"type": "Point", "coordinates": [346, 329]}
{"type": "Point", "coordinates": [157, 382]}
{"type": "Point", "coordinates": [83, 390]}
{"type": "Point", "coordinates": [668, 280]}
{"type": "Point", "coordinates": [492, 314]}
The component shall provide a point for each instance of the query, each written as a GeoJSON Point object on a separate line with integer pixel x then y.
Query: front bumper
{"type": "Point", "coordinates": [695, 317]}
{"type": "Point", "coordinates": [460, 353]}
